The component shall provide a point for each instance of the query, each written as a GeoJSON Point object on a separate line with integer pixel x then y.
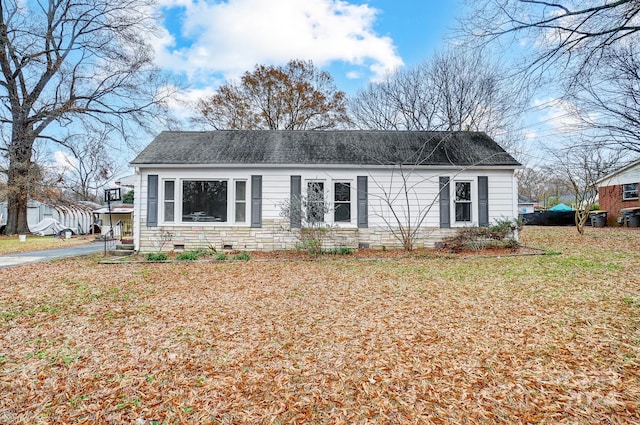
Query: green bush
{"type": "Point", "coordinates": [221, 256]}
{"type": "Point", "coordinates": [501, 234]}
{"type": "Point", "coordinates": [157, 256]}
{"type": "Point", "coordinates": [189, 255]}
{"type": "Point", "coordinates": [243, 256]}
{"type": "Point", "coordinates": [339, 251]}
{"type": "Point", "coordinates": [313, 246]}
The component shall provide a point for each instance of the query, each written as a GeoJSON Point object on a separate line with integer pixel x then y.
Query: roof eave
{"type": "Point", "coordinates": [339, 166]}
{"type": "Point", "coordinates": [619, 171]}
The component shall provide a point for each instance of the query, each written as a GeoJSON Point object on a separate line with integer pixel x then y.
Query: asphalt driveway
{"type": "Point", "coordinates": [21, 258]}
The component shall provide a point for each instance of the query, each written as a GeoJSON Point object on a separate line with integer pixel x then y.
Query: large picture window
{"type": "Point", "coordinates": [342, 202]}
{"type": "Point", "coordinates": [463, 201]}
{"type": "Point", "coordinates": [204, 201]}
{"type": "Point", "coordinates": [630, 191]}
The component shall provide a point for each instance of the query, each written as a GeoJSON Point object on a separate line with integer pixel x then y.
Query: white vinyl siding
{"type": "Point", "coordinates": [385, 189]}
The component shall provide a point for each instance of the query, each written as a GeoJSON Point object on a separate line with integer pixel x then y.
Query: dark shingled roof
{"type": "Point", "coordinates": [350, 147]}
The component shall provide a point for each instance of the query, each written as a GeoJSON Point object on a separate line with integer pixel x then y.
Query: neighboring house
{"type": "Point", "coordinates": [525, 205]}
{"type": "Point", "coordinates": [120, 220]}
{"type": "Point", "coordinates": [228, 188]}
{"type": "Point", "coordinates": [619, 190]}
{"type": "Point", "coordinates": [70, 214]}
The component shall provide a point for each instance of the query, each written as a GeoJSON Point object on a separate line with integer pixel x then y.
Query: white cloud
{"type": "Point", "coordinates": [557, 114]}
{"type": "Point", "coordinates": [229, 38]}
{"type": "Point", "coordinates": [354, 75]}
{"type": "Point", "coordinates": [63, 162]}
{"type": "Point", "coordinates": [180, 105]}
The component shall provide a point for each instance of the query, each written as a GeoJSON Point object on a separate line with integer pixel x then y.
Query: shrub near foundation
{"type": "Point", "coordinates": [500, 235]}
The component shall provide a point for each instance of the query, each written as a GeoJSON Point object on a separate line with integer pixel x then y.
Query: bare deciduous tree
{"type": "Point", "coordinates": [400, 200]}
{"type": "Point", "coordinates": [583, 164]}
{"type": "Point", "coordinates": [297, 96]}
{"type": "Point", "coordinates": [307, 212]}
{"type": "Point", "coordinates": [572, 34]}
{"type": "Point", "coordinates": [400, 205]}
{"type": "Point", "coordinates": [89, 168]}
{"type": "Point", "coordinates": [585, 50]}
{"type": "Point", "coordinates": [608, 98]}
{"type": "Point", "coordinates": [455, 91]}
{"type": "Point", "coordinates": [406, 100]}
{"type": "Point", "coordinates": [63, 60]}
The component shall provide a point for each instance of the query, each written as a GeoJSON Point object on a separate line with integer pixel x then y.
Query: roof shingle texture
{"type": "Point", "coordinates": [343, 147]}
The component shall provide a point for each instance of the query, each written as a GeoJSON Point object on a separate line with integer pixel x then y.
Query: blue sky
{"type": "Point", "coordinates": [357, 41]}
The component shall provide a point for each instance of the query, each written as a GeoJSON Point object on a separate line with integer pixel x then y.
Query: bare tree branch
{"type": "Point", "coordinates": [63, 61]}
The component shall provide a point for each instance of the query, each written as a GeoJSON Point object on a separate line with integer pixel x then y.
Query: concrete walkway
{"type": "Point", "coordinates": [21, 258]}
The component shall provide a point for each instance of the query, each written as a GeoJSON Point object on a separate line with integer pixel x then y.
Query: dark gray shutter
{"type": "Point", "coordinates": [295, 203]}
{"type": "Point", "coordinates": [445, 205]}
{"type": "Point", "coordinates": [152, 200]}
{"type": "Point", "coordinates": [483, 200]}
{"type": "Point", "coordinates": [363, 212]}
{"type": "Point", "coordinates": [256, 201]}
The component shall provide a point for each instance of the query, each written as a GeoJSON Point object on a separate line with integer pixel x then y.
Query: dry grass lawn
{"type": "Point", "coordinates": [12, 244]}
{"type": "Point", "coordinates": [533, 339]}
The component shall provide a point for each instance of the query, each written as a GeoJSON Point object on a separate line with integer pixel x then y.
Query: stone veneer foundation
{"type": "Point", "coordinates": [273, 235]}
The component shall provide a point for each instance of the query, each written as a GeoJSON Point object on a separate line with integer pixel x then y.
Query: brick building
{"type": "Point", "coordinates": [619, 190]}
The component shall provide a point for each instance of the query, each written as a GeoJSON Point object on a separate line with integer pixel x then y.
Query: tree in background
{"type": "Point", "coordinates": [532, 183]}
{"type": "Point", "coordinates": [62, 61]}
{"type": "Point", "coordinates": [574, 35]}
{"type": "Point", "coordinates": [582, 165]}
{"type": "Point", "coordinates": [607, 99]}
{"type": "Point", "coordinates": [89, 168]}
{"type": "Point", "coordinates": [297, 96]}
{"type": "Point", "coordinates": [128, 197]}
{"type": "Point", "coordinates": [584, 49]}
{"type": "Point", "coordinates": [455, 91]}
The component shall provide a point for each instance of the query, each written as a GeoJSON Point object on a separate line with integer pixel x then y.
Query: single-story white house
{"type": "Point", "coordinates": [229, 188]}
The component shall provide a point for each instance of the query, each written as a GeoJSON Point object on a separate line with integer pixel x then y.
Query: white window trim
{"type": "Point", "coordinates": [352, 193]}
{"type": "Point", "coordinates": [630, 198]}
{"type": "Point", "coordinates": [178, 195]}
{"type": "Point", "coordinates": [163, 200]}
{"type": "Point", "coordinates": [474, 203]}
{"type": "Point", "coordinates": [326, 195]}
{"type": "Point", "coordinates": [234, 206]}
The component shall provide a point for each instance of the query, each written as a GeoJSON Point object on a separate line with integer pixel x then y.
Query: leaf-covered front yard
{"type": "Point", "coordinates": [12, 244]}
{"type": "Point", "coordinates": [531, 339]}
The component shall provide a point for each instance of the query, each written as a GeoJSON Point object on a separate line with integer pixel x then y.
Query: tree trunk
{"type": "Point", "coordinates": [19, 181]}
